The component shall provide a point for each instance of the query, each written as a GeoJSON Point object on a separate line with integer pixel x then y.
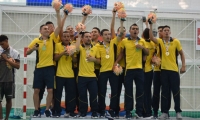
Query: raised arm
{"type": "Point", "coordinates": [151, 35]}
{"type": "Point", "coordinates": [112, 26]}
{"type": "Point", "coordinates": [62, 25]}
{"type": "Point", "coordinates": [84, 19]}
{"type": "Point", "coordinates": [147, 25]}
{"type": "Point", "coordinates": [58, 28]}
{"type": "Point", "coordinates": [78, 40]}
{"type": "Point", "coordinates": [121, 30]}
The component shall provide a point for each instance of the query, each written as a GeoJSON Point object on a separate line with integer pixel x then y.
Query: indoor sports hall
{"type": "Point", "coordinates": [20, 20]}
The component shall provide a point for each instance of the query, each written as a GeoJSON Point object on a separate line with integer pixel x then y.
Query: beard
{"type": "Point", "coordinates": [88, 42]}
{"type": "Point", "coordinates": [108, 40]}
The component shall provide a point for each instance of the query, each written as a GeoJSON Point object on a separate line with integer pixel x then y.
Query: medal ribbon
{"type": "Point", "coordinates": [107, 49]}
{"type": "Point", "coordinates": [166, 45]}
{"type": "Point", "coordinates": [88, 51]}
{"type": "Point", "coordinates": [136, 42]}
{"type": "Point", "coordinates": [44, 41]}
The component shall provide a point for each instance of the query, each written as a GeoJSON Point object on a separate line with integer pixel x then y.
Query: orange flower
{"type": "Point", "coordinates": [57, 4]}
{"type": "Point", "coordinates": [152, 17]}
{"type": "Point", "coordinates": [71, 49]}
{"type": "Point", "coordinates": [118, 5]}
{"type": "Point", "coordinates": [87, 9]}
{"type": "Point", "coordinates": [8, 65]}
{"type": "Point", "coordinates": [121, 13]}
{"type": "Point", "coordinates": [68, 8]}
{"type": "Point", "coordinates": [118, 70]}
{"type": "Point", "coordinates": [80, 27]}
{"type": "Point", "coordinates": [156, 61]}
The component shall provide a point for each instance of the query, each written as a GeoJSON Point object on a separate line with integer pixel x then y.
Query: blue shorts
{"type": "Point", "coordinates": [44, 77]}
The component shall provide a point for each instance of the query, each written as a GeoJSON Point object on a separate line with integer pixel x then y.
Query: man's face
{"type": "Point", "coordinates": [70, 29]}
{"type": "Point", "coordinates": [95, 34]}
{"type": "Point", "coordinates": [51, 28]}
{"type": "Point", "coordinates": [160, 32]}
{"type": "Point", "coordinates": [106, 36]}
{"type": "Point", "coordinates": [134, 31]}
{"type": "Point", "coordinates": [4, 44]}
{"type": "Point", "coordinates": [87, 38]}
{"type": "Point", "coordinates": [166, 32]}
{"type": "Point", "coordinates": [66, 38]}
{"type": "Point", "coordinates": [44, 31]}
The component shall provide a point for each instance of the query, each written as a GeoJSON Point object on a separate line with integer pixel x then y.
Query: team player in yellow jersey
{"type": "Point", "coordinates": [51, 28]}
{"type": "Point", "coordinates": [108, 52]}
{"type": "Point", "coordinates": [44, 71]}
{"type": "Point", "coordinates": [169, 70]}
{"type": "Point", "coordinates": [87, 81]}
{"type": "Point", "coordinates": [157, 81]}
{"type": "Point", "coordinates": [65, 77]}
{"type": "Point", "coordinates": [121, 62]}
{"type": "Point", "coordinates": [148, 75]}
{"type": "Point", "coordinates": [95, 35]}
{"type": "Point", "coordinates": [73, 36]}
{"type": "Point", "coordinates": [132, 48]}
{"type": "Point", "coordinates": [64, 74]}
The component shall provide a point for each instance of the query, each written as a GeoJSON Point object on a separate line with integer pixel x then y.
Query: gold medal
{"type": "Point", "coordinates": [86, 60]}
{"type": "Point", "coordinates": [167, 53]}
{"type": "Point", "coordinates": [107, 56]}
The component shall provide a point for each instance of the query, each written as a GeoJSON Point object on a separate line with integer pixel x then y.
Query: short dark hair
{"type": "Point", "coordinates": [65, 32]}
{"type": "Point", "coordinates": [166, 26]}
{"type": "Point", "coordinates": [48, 22]}
{"type": "Point", "coordinates": [160, 27]}
{"type": "Point", "coordinates": [83, 33]}
{"type": "Point", "coordinates": [133, 25]}
{"type": "Point", "coordinates": [42, 26]}
{"type": "Point", "coordinates": [68, 26]}
{"type": "Point", "coordinates": [146, 33]}
{"type": "Point", "coordinates": [102, 31]}
{"type": "Point", "coordinates": [3, 38]}
{"type": "Point", "coordinates": [96, 29]}
{"type": "Point", "coordinates": [119, 28]}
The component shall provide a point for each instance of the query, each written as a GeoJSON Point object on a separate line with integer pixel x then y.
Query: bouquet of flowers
{"type": "Point", "coordinates": [118, 6]}
{"type": "Point", "coordinates": [152, 17]}
{"type": "Point", "coordinates": [57, 4]}
{"type": "Point", "coordinates": [118, 70]}
{"type": "Point", "coordinates": [122, 14]}
{"type": "Point", "coordinates": [86, 9]}
{"type": "Point", "coordinates": [71, 49]}
{"type": "Point", "coordinates": [68, 8]}
{"type": "Point", "coordinates": [8, 65]}
{"type": "Point", "coordinates": [80, 27]}
{"type": "Point", "coordinates": [156, 61]}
